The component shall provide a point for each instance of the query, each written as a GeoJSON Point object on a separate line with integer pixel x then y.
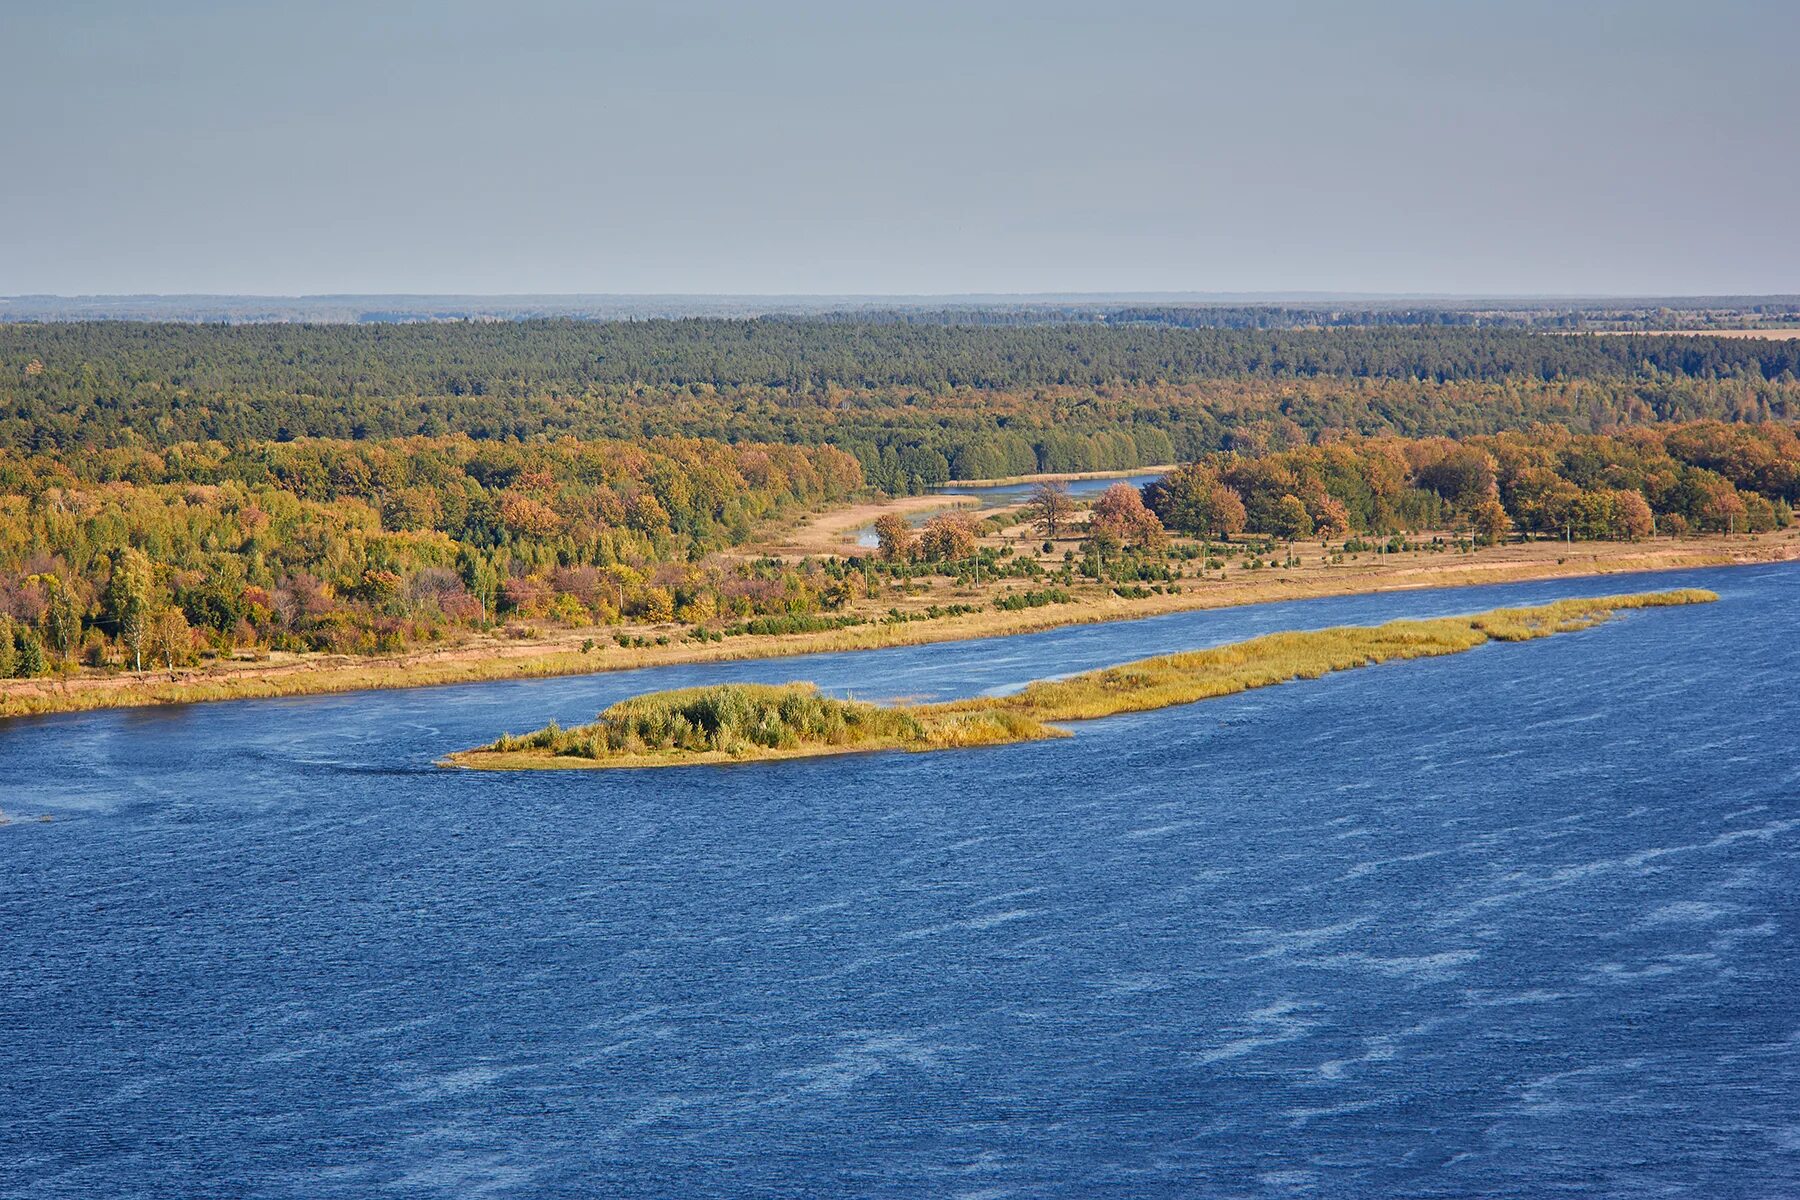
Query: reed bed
{"type": "Point", "coordinates": [738, 722]}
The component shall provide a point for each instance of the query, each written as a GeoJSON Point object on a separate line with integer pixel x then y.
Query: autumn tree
{"type": "Point", "coordinates": [525, 516]}
{"type": "Point", "coordinates": [894, 537]}
{"type": "Point", "coordinates": [62, 619]}
{"type": "Point", "coordinates": [947, 537]}
{"type": "Point", "coordinates": [656, 605]}
{"type": "Point", "coordinates": [1193, 500]}
{"type": "Point", "coordinates": [1631, 516]}
{"type": "Point", "coordinates": [1720, 507]}
{"type": "Point", "coordinates": [1050, 507]}
{"type": "Point", "coordinates": [1490, 523]}
{"type": "Point", "coordinates": [169, 637]}
{"type": "Point", "coordinates": [1330, 517]}
{"type": "Point", "coordinates": [1121, 514]}
{"type": "Point", "coordinates": [126, 604]}
{"type": "Point", "coordinates": [1288, 519]}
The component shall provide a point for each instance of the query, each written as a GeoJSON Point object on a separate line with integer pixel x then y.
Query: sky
{"type": "Point", "coordinates": [546, 146]}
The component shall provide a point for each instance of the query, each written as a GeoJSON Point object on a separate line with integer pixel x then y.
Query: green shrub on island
{"type": "Point", "coordinates": [725, 719]}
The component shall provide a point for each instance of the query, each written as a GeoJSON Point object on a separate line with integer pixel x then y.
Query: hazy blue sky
{"type": "Point", "coordinates": [542, 146]}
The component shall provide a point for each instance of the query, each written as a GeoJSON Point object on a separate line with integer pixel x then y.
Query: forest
{"type": "Point", "coordinates": [1701, 477]}
{"type": "Point", "coordinates": [363, 547]}
{"type": "Point", "coordinates": [916, 404]}
{"type": "Point", "coordinates": [87, 360]}
{"type": "Point", "coordinates": [133, 557]}
{"type": "Point", "coordinates": [170, 490]}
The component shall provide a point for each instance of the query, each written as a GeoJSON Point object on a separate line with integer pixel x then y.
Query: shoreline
{"type": "Point", "coordinates": [504, 660]}
{"type": "Point", "coordinates": [752, 723]}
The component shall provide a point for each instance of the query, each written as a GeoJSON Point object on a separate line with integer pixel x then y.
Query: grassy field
{"type": "Point", "coordinates": [753, 722]}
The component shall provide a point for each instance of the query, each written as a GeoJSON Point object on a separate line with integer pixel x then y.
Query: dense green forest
{"type": "Point", "coordinates": [915, 403]}
{"type": "Point", "coordinates": [83, 361]}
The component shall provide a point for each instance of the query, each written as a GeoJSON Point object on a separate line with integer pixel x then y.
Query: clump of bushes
{"type": "Point", "coordinates": [1019, 601]}
{"type": "Point", "coordinates": [796, 623]}
{"type": "Point", "coordinates": [735, 718]}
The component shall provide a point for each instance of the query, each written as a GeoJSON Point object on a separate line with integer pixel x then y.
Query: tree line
{"type": "Point", "coordinates": [1699, 477]}
{"type": "Point", "coordinates": [809, 355]}
{"type": "Point", "coordinates": [916, 405]}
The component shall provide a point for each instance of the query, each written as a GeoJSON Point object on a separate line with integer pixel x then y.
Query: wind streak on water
{"type": "Point", "coordinates": [1518, 921]}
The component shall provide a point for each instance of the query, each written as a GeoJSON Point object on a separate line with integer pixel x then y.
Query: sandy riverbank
{"type": "Point", "coordinates": [834, 532]}
{"type": "Point", "coordinates": [560, 653]}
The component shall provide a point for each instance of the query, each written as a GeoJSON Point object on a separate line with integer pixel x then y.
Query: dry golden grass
{"type": "Point", "coordinates": [39, 697]}
{"type": "Point", "coordinates": [738, 722]}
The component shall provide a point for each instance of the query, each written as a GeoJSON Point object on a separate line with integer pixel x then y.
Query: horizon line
{"type": "Point", "coordinates": [1222, 296]}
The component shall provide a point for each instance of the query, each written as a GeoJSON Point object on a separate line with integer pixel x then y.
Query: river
{"type": "Point", "coordinates": [1515, 922]}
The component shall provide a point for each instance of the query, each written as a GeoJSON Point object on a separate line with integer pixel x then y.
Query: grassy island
{"type": "Point", "coordinates": [752, 722]}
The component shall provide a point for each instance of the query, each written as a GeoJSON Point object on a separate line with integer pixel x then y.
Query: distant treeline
{"type": "Point", "coordinates": [84, 361]}
{"type": "Point", "coordinates": [1233, 316]}
{"type": "Point", "coordinates": [1592, 315]}
{"type": "Point", "coordinates": [1190, 310]}
{"type": "Point", "coordinates": [916, 404]}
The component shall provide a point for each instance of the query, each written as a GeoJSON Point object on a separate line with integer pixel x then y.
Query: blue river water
{"type": "Point", "coordinates": [1002, 494]}
{"type": "Point", "coordinates": [1518, 922]}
